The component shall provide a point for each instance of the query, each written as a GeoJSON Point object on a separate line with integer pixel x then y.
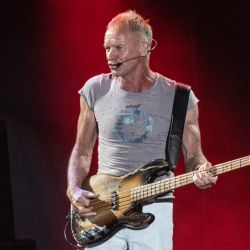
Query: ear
{"type": "Point", "coordinates": [144, 48]}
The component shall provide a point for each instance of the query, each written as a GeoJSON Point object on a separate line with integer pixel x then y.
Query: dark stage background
{"type": "Point", "coordinates": [48, 50]}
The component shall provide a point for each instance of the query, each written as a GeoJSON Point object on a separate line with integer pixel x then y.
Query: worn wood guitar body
{"type": "Point", "coordinates": [120, 200]}
{"type": "Point", "coordinates": [119, 204]}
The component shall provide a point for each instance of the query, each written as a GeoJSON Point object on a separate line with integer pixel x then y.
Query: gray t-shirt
{"type": "Point", "coordinates": [133, 127]}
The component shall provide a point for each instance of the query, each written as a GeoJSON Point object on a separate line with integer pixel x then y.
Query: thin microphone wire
{"type": "Point", "coordinates": [149, 51]}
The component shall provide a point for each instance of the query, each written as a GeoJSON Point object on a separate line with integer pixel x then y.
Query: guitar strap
{"type": "Point", "coordinates": [175, 134]}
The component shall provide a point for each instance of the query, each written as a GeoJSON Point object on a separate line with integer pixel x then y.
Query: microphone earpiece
{"type": "Point", "coordinates": [152, 48]}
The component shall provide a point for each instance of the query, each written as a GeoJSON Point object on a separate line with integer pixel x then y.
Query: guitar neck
{"type": "Point", "coordinates": [152, 190]}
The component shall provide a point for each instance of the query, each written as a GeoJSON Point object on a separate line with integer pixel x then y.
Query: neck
{"type": "Point", "coordinates": [140, 81]}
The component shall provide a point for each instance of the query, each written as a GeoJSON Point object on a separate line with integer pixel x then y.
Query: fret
{"type": "Point", "coordinates": [160, 187]}
{"type": "Point", "coordinates": [231, 165]}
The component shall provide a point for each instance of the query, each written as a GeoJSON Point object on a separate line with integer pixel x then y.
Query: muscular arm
{"type": "Point", "coordinates": [192, 151]}
{"type": "Point", "coordinates": [80, 159]}
{"type": "Point", "coordinates": [193, 155]}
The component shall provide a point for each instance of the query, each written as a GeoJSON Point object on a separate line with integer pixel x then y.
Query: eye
{"type": "Point", "coordinates": [107, 48]}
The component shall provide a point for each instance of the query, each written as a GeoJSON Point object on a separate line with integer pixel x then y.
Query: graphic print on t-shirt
{"type": "Point", "coordinates": [134, 126]}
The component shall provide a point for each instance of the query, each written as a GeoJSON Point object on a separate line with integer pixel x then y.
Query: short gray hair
{"type": "Point", "coordinates": [135, 23]}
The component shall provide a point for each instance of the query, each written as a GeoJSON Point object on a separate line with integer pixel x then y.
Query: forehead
{"type": "Point", "coordinates": [120, 34]}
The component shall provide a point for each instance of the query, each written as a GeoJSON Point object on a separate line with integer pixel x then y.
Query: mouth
{"type": "Point", "coordinates": [113, 66]}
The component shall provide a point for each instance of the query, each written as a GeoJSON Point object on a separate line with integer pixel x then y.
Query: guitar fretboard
{"type": "Point", "coordinates": [160, 187]}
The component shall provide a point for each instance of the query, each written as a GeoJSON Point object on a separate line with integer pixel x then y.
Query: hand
{"type": "Point", "coordinates": [203, 178]}
{"type": "Point", "coordinates": [80, 200]}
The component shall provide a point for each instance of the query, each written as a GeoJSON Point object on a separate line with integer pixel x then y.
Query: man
{"type": "Point", "coordinates": [129, 111]}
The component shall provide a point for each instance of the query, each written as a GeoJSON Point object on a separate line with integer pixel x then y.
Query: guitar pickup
{"type": "Point", "coordinates": [114, 201]}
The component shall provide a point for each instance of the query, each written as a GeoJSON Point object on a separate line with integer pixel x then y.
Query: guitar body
{"type": "Point", "coordinates": [121, 198]}
{"type": "Point", "coordinates": [114, 207]}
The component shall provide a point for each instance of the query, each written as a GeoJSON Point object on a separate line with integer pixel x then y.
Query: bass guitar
{"type": "Point", "coordinates": [120, 199]}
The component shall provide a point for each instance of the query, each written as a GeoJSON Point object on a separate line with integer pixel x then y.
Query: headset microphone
{"type": "Point", "coordinates": [120, 63]}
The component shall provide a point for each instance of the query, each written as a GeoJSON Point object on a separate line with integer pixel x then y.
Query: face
{"type": "Point", "coordinates": [120, 45]}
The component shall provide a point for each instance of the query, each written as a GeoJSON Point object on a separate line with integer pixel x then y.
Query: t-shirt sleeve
{"type": "Point", "coordinates": [89, 91]}
{"type": "Point", "coordinates": [193, 100]}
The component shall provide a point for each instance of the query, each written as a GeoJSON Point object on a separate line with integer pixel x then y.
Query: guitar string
{"type": "Point", "coordinates": [127, 203]}
{"type": "Point", "coordinates": [216, 167]}
{"type": "Point", "coordinates": [174, 182]}
{"type": "Point", "coordinates": [124, 198]}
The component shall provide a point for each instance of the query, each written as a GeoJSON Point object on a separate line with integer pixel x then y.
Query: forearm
{"type": "Point", "coordinates": [194, 159]}
{"type": "Point", "coordinates": [191, 147]}
{"type": "Point", "coordinates": [193, 155]}
{"type": "Point", "coordinates": [78, 168]}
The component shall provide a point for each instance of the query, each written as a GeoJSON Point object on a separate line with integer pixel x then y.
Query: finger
{"type": "Point", "coordinates": [80, 202]}
{"type": "Point", "coordinates": [208, 180]}
{"type": "Point", "coordinates": [204, 168]}
{"type": "Point", "coordinates": [197, 180]}
{"type": "Point", "coordinates": [207, 165]}
{"type": "Point", "coordinates": [88, 197]}
{"type": "Point", "coordinates": [82, 197]}
{"type": "Point", "coordinates": [212, 179]}
{"type": "Point", "coordinates": [201, 182]}
{"type": "Point", "coordinates": [201, 174]}
{"type": "Point", "coordinates": [91, 195]}
{"type": "Point", "coordinates": [203, 186]}
{"type": "Point", "coordinates": [87, 213]}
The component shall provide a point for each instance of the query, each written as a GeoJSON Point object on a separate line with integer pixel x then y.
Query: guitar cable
{"type": "Point", "coordinates": [68, 217]}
